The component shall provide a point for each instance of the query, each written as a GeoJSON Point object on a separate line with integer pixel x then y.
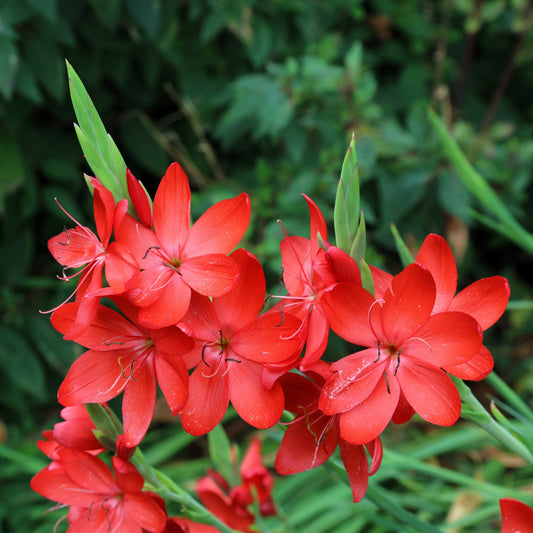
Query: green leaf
{"type": "Point", "coordinates": [98, 147]}
{"type": "Point", "coordinates": [9, 62]}
{"type": "Point", "coordinates": [47, 8]}
{"type": "Point", "coordinates": [403, 251]}
{"type": "Point", "coordinates": [220, 454]}
{"type": "Point", "coordinates": [346, 211]}
{"type": "Point", "coordinates": [479, 187]}
{"type": "Point", "coordinates": [46, 64]}
{"type": "Point", "coordinates": [147, 14]}
{"type": "Point", "coordinates": [138, 137]}
{"type": "Point", "coordinates": [20, 364]}
{"type": "Point", "coordinates": [57, 353]}
{"type": "Point", "coordinates": [107, 11]}
{"type": "Point", "coordinates": [12, 170]}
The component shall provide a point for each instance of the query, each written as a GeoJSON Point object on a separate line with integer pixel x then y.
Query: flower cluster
{"type": "Point", "coordinates": [187, 316]}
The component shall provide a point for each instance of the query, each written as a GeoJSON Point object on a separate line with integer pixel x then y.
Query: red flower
{"type": "Point", "coordinates": [98, 500]}
{"type": "Point", "coordinates": [257, 479]}
{"type": "Point", "coordinates": [75, 432]}
{"type": "Point", "coordinates": [125, 356]}
{"type": "Point", "coordinates": [517, 517]}
{"type": "Point", "coordinates": [80, 247]}
{"type": "Point", "coordinates": [309, 270]}
{"type": "Point", "coordinates": [231, 505]}
{"type": "Point", "coordinates": [485, 300]}
{"type": "Point", "coordinates": [311, 438]}
{"type": "Point", "coordinates": [409, 352]}
{"type": "Point", "coordinates": [175, 258]}
{"type": "Point", "coordinates": [232, 346]}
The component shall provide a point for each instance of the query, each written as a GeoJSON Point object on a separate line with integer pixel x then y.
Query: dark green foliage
{"type": "Point", "coordinates": [260, 97]}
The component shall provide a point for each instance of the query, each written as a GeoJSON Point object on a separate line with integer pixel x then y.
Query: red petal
{"type": "Point", "coordinates": [120, 266]}
{"type": "Point", "coordinates": [145, 512]}
{"type": "Point", "coordinates": [138, 403]}
{"type": "Point", "coordinates": [107, 328]}
{"type": "Point", "coordinates": [171, 341]}
{"type": "Point", "coordinates": [318, 225]}
{"type": "Point", "coordinates": [516, 516]}
{"type": "Point", "coordinates": [231, 513]}
{"type": "Point", "coordinates": [259, 407]}
{"type": "Point", "coordinates": [343, 266]}
{"type": "Point", "coordinates": [382, 281]}
{"type": "Point", "coordinates": [366, 421]}
{"type": "Point", "coordinates": [446, 339]}
{"type": "Point", "coordinates": [57, 486]}
{"type": "Point", "coordinates": [404, 412]}
{"type": "Point", "coordinates": [475, 369]}
{"type": "Point", "coordinates": [354, 379]}
{"type": "Point", "coordinates": [75, 247]}
{"type": "Point", "coordinates": [172, 211]}
{"type": "Point", "coordinates": [141, 241]}
{"type": "Point", "coordinates": [169, 308]}
{"type": "Point", "coordinates": [309, 441]}
{"type": "Point", "coordinates": [317, 336]}
{"type": "Point", "coordinates": [485, 300]}
{"type": "Point", "coordinates": [220, 228]}
{"type": "Point", "coordinates": [128, 477]}
{"type": "Point", "coordinates": [94, 377]}
{"type": "Point", "coordinates": [202, 319]}
{"type": "Point", "coordinates": [88, 472]}
{"type": "Point", "coordinates": [242, 304]}
{"type": "Point", "coordinates": [409, 304]}
{"type": "Point", "coordinates": [347, 307]}
{"type": "Point", "coordinates": [210, 275]}
{"type": "Point", "coordinates": [436, 255]}
{"type": "Point", "coordinates": [430, 392]}
{"type": "Point", "coordinates": [296, 264]}
{"type": "Point", "coordinates": [270, 338]}
{"type": "Point", "coordinates": [104, 211]}
{"type": "Point", "coordinates": [173, 380]}
{"type": "Point", "coordinates": [356, 464]}
{"type": "Point", "coordinates": [208, 400]}
{"type": "Point", "coordinates": [140, 199]}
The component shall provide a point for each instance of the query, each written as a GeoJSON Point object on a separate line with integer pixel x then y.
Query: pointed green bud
{"type": "Point", "coordinates": [347, 202]}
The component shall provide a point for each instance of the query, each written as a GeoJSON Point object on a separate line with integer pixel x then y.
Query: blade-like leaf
{"type": "Point", "coordinates": [405, 255]}
{"type": "Point", "coordinates": [479, 187]}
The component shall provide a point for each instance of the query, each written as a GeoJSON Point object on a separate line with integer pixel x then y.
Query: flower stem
{"type": "Point", "coordinates": [169, 490]}
{"type": "Point", "coordinates": [476, 413]}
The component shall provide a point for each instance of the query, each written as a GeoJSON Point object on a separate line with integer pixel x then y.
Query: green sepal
{"type": "Point", "coordinates": [366, 278]}
{"type": "Point", "coordinates": [403, 251]}
{"type": "Point", "coordinates": [500, 418]}
{"type": "Point", "coordinates": [347, 202]}
{"type": "Point", "coordinates": [107, 423]}
{"type": "Point", "coordinates": [358, 248]}
{"type": "Point", "coordinates": [479, 418]}
{"type": "Point", "coordinates": [221, 454]}
{"type": "Point", "coordinates": [98, 147]}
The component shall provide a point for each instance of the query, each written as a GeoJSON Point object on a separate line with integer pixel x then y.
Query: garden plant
{"type": "Point", "coordinates": [235, 351]}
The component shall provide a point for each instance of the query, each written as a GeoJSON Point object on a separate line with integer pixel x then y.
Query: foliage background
{"type": "Point", "coordinates": [263, 97]}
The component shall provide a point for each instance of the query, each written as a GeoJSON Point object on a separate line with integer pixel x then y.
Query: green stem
{"type": "Point", "coordinates": [169, 491]}
{"type": "Point", "coordinates": [479, 415]}
{"type": "Point", "coordinates": [509, 395]}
